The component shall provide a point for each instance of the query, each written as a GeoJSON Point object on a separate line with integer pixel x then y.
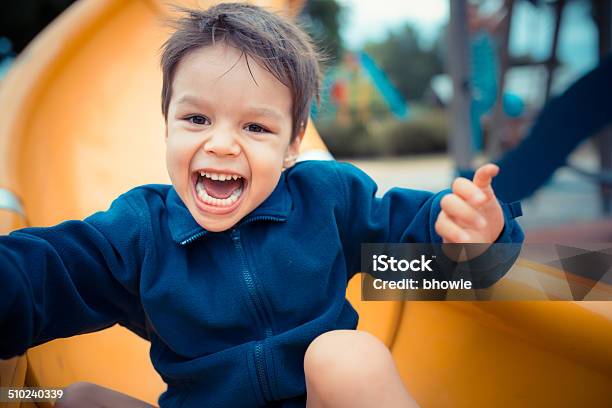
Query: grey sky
{"type": "Point", "coordinates": [371, 19]}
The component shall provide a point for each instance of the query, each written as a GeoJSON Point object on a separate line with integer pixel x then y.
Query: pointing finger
{"type": "Point", "coordinates": [484, 175]}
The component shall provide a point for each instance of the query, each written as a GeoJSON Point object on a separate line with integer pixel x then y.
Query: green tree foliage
{"type": "Point", "coordinates": [323, 19]}
{"type": "Point", "coordinates": [407, 63]}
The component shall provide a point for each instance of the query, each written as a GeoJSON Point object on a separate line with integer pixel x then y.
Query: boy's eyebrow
{"type": "Point", "coordinates": [266, 112]}
{"type": "Point", "coordinates": [190, 99]}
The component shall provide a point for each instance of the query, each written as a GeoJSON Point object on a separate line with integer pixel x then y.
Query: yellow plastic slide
{"type": "Point", "coordinates": [80, 123]}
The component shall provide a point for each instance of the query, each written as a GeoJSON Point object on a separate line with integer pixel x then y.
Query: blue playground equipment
{"type": "Point", "coordinates": [390, 94]}
{"type": "Point", "coordinates": [343, 77]}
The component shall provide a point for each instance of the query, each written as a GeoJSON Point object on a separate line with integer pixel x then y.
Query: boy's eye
{"type": "Point", "coordinates": [256, 128]}
{"type": "Point", "coordinates": [198, 120]}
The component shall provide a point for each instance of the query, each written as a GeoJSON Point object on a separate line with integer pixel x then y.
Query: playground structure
{"type": "Point", "coordinates": [358, 81]}
{"type": "Point", "coordinates": [81, 124]}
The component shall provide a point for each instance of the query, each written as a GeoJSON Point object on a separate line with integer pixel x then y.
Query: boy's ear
{"type": "Point", "coordinates": [295, 144]}
{"type": "Point", "coordinates": [294, 149]}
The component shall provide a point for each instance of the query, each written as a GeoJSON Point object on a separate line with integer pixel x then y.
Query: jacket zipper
{"type": "Point", "coordinates": [193, 238]}
{"type": "Point", "coordinates": [248, 220]}
{"type": "Point", "coordinates": [260, 311]}
{"type": "Point", "coordinates": [254, 295]}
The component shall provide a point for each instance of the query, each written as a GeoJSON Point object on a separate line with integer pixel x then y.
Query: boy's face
{"type": "Point", "coordinates": [227, 136]}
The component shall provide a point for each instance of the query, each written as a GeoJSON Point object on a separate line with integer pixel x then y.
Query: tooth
{"type": "Point", "coordinates": [221, 177]}
{"type": "Point", "coordinates": [204, 196]}
{"type": "Point", "coordinates": [234, 177]}
{"type": "Point", "coordinates": [202, 173]}
{"type": "Point", "coordinates": [214, 176]}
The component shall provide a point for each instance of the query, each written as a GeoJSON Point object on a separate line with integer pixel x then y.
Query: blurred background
{"type": "Point", "coordinates": [416, 93]}
{"type": "Point", "coordinates": [388, 100]}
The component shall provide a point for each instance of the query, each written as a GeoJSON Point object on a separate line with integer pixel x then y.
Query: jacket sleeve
{"type": "Point", "coordinates": [399, 216]}
{"type": "Point", "coordinates": [75, 277]}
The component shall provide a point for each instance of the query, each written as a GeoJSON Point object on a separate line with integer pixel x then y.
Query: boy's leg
{"type": "Point", "coordinates": [84, 394]}
{"type": "Point", "coordinates": [350, 368]}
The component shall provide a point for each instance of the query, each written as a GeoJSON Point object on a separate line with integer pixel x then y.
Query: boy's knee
{"type": "Point", "coordinates": [77, 395]}
{"type": "Point", "coordinates": [351, 355]}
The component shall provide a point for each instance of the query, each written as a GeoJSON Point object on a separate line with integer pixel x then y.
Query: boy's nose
{"type": "Point", "coordinates": [222, 144]}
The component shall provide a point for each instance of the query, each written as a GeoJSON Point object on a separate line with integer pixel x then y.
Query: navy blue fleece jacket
{"type": "Point", "coordinates": [230, 314]}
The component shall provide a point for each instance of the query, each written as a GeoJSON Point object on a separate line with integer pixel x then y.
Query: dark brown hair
{"type": "Point", "coordinates": [277, 44]}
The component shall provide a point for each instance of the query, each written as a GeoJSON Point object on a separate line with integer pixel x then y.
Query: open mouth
{"type": "Point", "coordinates": [219, 190]}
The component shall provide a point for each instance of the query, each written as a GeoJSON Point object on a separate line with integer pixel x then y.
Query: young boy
{"type": "Point", "coordinates": [236, 273]}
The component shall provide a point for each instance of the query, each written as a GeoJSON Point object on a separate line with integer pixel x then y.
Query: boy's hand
{"type": "Point", "coordinates": [471, 213]}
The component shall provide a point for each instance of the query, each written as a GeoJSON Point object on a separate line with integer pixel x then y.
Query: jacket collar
{"type": "Point", "coordinates": [184, 228]}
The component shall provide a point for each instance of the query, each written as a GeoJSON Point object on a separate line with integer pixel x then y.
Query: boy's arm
{"type": "Point", "coordinates": [401, 215]}
{"type": "Point", "coordinates": [75, 277]}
